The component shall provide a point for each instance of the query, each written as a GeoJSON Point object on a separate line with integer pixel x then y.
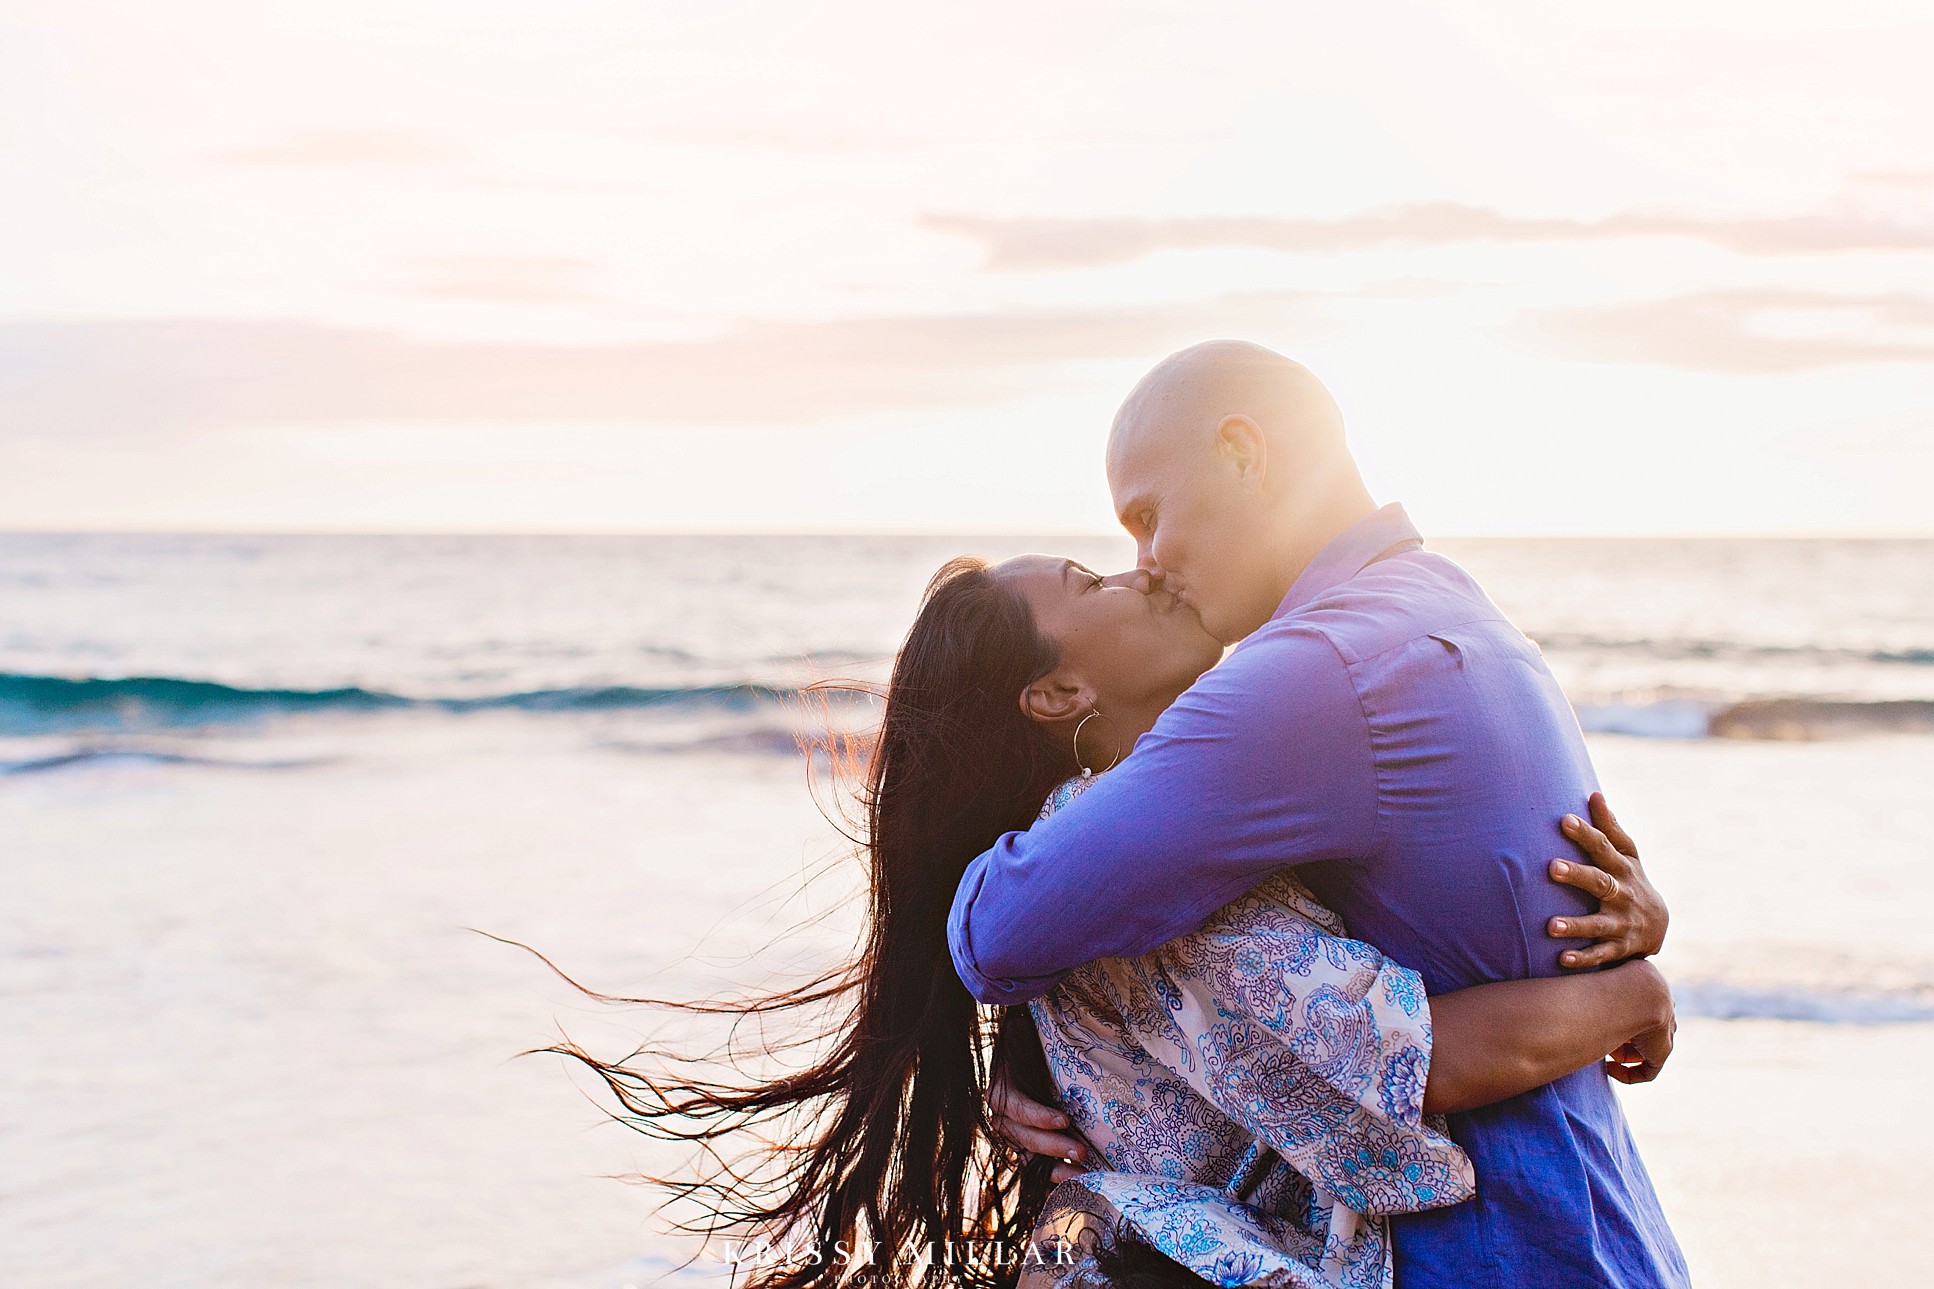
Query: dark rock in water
{"type": "Point", "coordinates": [1801, 719]}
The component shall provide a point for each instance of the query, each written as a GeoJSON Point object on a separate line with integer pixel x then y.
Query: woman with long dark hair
{"type": "Point", "coordinates": [1269, 1158]}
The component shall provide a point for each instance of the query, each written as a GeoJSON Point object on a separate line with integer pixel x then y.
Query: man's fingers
{"type": "Point", "coordinates": [1608, 824]}
{"type": "Point", "coordinates": [1593, 955]}
{"type": "Point", "coordinates": [1006, 1103]}
{"type": "Point", "coordinates": [1038, 1141]}
{"type": "Point", "coordinates": [1595, 882]}
{"type": "Point", "coordinates": [1038, 1129]}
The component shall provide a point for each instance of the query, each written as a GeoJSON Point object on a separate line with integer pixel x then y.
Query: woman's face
{"type": "Point", "coordinates": [1129, 645]}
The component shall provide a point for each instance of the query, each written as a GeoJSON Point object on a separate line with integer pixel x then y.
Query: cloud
{"type": "Point", "coordinates": [346, 148]}
{"type": "Point", "coordinates": [505, 279]}
{"type": "Point", "coordinates": [1908, 179]}
{"type": "Point", "coordinates": [1749, 331]}
{"type": "Point", "coordinates": [1014, 245]}
{"type": "Point", "coordinates": [771, 138]}
{"type": "Point", "coordinates": [140, 375]}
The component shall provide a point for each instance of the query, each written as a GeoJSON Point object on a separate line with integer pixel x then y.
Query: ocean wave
{"type": "Point", "coordinates": [1723, 1000]}
{"type": "Point", "coordinates": [1679, 650]}
{"type": "Point", "coordinates": [46, 704]}
{"type": "Point", "coordinates": [1677, 718]}
{"type": "Point", "coordinates": [1778, 719]}
{"type": "Point", "coordinates": [759, 741]}
{"type": "Point", "coordinates": [60, 704]}
{"type": "Point", "coordinates": [76, 758]}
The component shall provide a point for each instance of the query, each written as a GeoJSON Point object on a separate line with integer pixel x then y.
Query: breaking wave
{"type": "Point", "coordinates": [76, 758]}
{"type": "Point", "coordinates": [1730, 650]}
{"type": "Point", "coordinates": [1790, 719]}
{"type": "Point", "coordinates": [59, 704]}
{"type": "Point", "coordinates": [51, 704]}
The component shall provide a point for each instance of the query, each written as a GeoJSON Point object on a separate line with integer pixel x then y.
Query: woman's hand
{"type": "Point", "coordinates": [1631, 918]}
{"type": "Point", "coordinates": [1639, 1059]}
{"type": "Point", "coordinates": [1037, 1129]}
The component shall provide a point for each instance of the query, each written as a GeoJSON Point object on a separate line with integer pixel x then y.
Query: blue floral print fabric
{"type": "Point", "coordinates": [1256, 1092]}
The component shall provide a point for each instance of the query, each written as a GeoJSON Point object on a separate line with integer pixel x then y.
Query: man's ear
{"type": "Point", "coordinates": [1057, 697]}
{"type": "Point", "coordinates": [1239, 441]}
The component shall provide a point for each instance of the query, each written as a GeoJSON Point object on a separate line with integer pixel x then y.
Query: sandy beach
{"type": "Point", "coordinates": [258, 1047]}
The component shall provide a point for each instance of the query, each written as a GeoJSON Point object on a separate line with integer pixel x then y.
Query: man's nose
{"type": "Point", "coordinates": [1146, 561]}
{"type": "Point", "coordinates": [1136, 579]}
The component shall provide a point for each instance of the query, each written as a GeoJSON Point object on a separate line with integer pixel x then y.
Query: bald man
{"type": "Point", "coordinates": [1383, 729]}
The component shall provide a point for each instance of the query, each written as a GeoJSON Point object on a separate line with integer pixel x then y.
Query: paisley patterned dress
{"type": "Point", "coordinates": [1256, 1092]}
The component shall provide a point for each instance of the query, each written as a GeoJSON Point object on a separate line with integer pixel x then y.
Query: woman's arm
{"type": "Point", "coordinates": [1496, 1041]}
{"type": "Point", "coordinates": [1502, 1039]}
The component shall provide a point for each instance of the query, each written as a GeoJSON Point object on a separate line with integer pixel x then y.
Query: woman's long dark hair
{"type": "Point", "coordinates": [883, 1142]}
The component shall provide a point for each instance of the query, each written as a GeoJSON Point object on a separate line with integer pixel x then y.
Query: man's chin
{"type": "Point", "coordinates": [1187, 610]}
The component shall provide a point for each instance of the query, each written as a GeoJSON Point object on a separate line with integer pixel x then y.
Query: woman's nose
{"type": "Point", "coordinates": [1136, 579]}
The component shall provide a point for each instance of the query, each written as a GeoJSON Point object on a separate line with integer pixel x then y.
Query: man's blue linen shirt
{"type": "Point", "coordinates": [1390, 732]}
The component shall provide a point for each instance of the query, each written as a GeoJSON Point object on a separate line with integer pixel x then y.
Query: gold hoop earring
{"type": "Point", "coordinates": [1087, 773]}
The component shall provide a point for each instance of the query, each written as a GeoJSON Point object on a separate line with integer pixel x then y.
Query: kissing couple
{"type": "Point", "coordinates": [1306, 962]}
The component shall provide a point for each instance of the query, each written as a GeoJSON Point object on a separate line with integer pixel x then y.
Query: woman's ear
{"type": "Point", "coordinates": [1057, 697]}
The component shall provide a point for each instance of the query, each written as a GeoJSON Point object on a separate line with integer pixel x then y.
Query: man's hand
{"type": "Point", "coordinates": [1631, 919]}
{"type": "Point", "coordinates": [1037, 1129]}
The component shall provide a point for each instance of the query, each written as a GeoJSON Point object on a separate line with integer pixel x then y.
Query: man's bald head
{"type": "Point", "coordinates": [1229, 467]}
{"type": "Point", "coordinates": [1181, 402]}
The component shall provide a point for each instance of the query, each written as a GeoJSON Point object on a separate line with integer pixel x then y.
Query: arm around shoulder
{"type": "Point", "coordinates": [1265, 762]}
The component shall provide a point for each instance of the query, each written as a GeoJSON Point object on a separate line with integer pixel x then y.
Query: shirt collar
{"type": "Point", "coordinates": [1375, 536]}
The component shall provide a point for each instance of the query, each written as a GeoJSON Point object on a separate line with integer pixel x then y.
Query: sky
{"type": "Point", "coordinates": [621, 265]}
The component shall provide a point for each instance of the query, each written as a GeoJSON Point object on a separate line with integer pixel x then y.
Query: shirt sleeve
{"type": "Point", "coordinates": [1265, 762]}
{"type": "Point", "coordinates": [1320, 1047]}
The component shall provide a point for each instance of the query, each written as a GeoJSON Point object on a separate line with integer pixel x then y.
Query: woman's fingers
{"type": "Point", "coordinates": [1594, 955]}
{"type": "Point", "coordinates": [1608, 824]}
{"type": "Point", "coordinates": [1590, 926]}
{"type": "Point", "coordinates": [1634, 1071]}
{"type": "Point", "coordinates": [1607, 929]}
{"type": "Point", "coordinates": [1628, 1065]}
{"type": "Point", "coordinates": [1597, 846]}
{"type": "Point", "coordinates": [1595, 882]}
{"type": "Point", "coordinates": [1063, 1171]}
{"type": "Point", "coordinates": [1632, 919]}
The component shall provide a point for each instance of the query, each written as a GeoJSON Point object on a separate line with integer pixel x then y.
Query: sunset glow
{"type": "Point", "coordinates": [389, 265]}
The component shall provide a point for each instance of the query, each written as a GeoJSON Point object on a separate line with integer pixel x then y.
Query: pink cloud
{"type": "Point", "coordinates": [1052, 243]}
{"type": "Point", "coordinates": [350, 147]}
{"type": "Point", "coordinates": [1746, 331]}
{"type": "Point", "coordinates": [505, 279]}
{"type": "Point", "coordinates": [137, 375]}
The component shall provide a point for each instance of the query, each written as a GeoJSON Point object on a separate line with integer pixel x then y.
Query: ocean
{"type": "Point", "coordinates": [259, 796]}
